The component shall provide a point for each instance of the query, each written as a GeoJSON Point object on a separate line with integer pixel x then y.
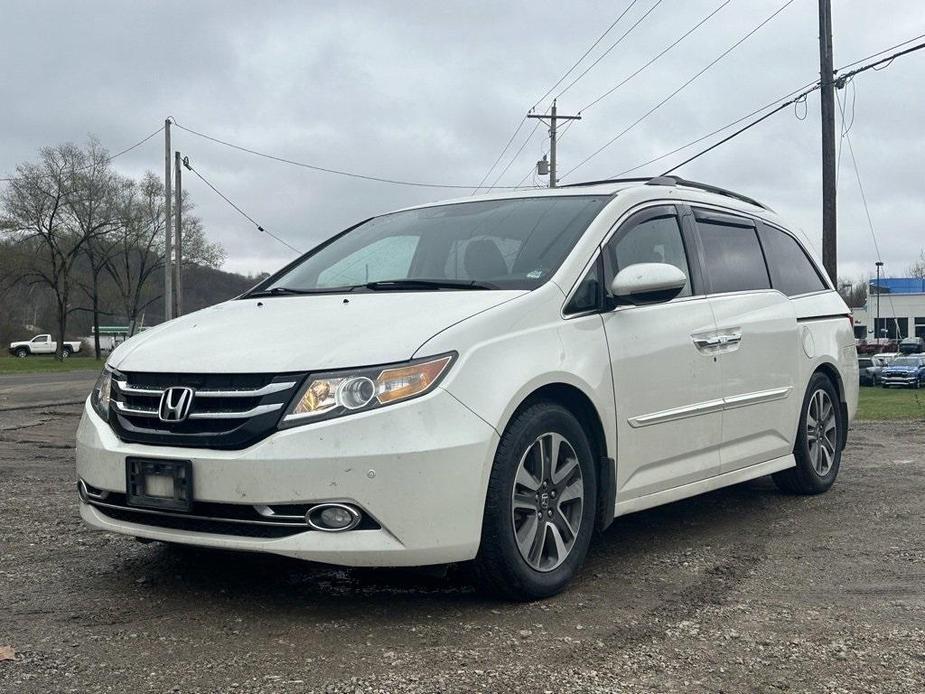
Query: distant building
{"type": "Point", "coordinates": [902, 310]}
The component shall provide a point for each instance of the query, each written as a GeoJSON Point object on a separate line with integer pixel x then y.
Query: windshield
{"type": "Point", "coordinates": [905, 361]}
{"type": "Point", "coordinates": [505, 244]}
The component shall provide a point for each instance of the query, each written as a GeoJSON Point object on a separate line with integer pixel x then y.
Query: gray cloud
{"type": "Point", "coordinates": [431, 91]}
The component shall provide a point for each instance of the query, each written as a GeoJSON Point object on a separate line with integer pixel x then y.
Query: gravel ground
{"type": "Point", "coordinates": [741, 590]}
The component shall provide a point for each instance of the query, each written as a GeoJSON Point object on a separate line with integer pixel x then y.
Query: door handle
{"type": "Point", "coordinates": [704, 343]}
{"type": "Point", "coordinates": [708, 343]}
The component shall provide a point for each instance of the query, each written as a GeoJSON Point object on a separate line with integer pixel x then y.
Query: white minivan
{"type": "Point", "coordinates": [487, 380]}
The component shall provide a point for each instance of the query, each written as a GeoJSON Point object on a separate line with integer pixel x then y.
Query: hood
{"type": "Point", "coordinates": [901, 368]}
{"type": "Point", "coordinates": [302, 333]}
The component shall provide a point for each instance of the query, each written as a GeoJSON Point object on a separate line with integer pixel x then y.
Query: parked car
{"type": "Point", "coordinates": [912, 345]}
{"type": "Point", "coordinates": [884, 358]}
{"type": "Point", "coordinates": [485, 380]}
{"type": "Point", "coordinates": [904, 371]}
{"type": "Point", "coordinates": [42, 344]}
{"type": "Point", "coordinates": [868, 372]}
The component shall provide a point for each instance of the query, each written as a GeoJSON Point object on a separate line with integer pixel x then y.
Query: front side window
{"type": "Point", "coordinates": [41, 338]}
{"type": "Point", "coordinates": [653, 240]}
{"type": "Point", "coordinates": [506, 244]}
{"type": "Point", "coordinates": [791, 270]}
{"type": "Point", "coordinates": [732, 256]}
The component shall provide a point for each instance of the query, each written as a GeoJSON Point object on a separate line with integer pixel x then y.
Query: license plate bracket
{"type": "Point", "coordinates": [165, 485]}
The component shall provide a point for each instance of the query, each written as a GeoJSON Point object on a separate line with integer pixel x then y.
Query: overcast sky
{"type": "Point", "coordinates": [431, 91]}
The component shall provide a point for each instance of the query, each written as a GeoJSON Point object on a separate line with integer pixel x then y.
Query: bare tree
{"type": "Point", "coordinates": [139, 247]}
{"type": "Point", "coordinates": [917, 269]}
{"type": "Point", "coordinates": [854, 292]}
{"type": "Point", "coordinates": [92, 207]}
{"type": "Point", "coordinates": [35, 213]}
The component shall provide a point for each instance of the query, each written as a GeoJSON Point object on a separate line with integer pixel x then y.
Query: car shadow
{"type": "Point", "coordinates": [271, 584]}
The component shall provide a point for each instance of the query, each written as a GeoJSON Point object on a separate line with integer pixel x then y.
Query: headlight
{"type": "Point", "coordinates": [338, 393]}
{"type": "Point", "coordinates": [99, 398]}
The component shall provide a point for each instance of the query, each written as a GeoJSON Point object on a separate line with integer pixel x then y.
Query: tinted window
{"type": "Point", "coordinates": [791, 270]}
{"type": "Point", "coordinates": [516, 243]}
{"type": "Point", "coordinates": [656, 240]}
{"type": "Point", "coordinates": [734, 262]}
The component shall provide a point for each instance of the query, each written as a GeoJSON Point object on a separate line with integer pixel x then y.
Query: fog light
{"type": "Point", "coordinates": [333, 518]}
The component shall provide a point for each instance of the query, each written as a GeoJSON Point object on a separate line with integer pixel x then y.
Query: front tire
{"type": "Point", "coordinates": [22, 353]}
{"type": "Point", "coordinates": [818, 447]}
{"type": "Point", "coordinates": [540, 507]}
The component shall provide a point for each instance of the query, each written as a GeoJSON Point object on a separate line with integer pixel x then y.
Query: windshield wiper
{"type": "Point", "coordinates": [280, 291]}
{"type": "Point", "coordinates": [400, 285]}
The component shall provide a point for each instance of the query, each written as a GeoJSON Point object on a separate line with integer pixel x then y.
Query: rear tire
{"type": "Point", "coordinates": [65, 352]}
{"type": "Point", "coordinates": [540, 507]}
{"type": "Point", "coordinates": [818, 446]}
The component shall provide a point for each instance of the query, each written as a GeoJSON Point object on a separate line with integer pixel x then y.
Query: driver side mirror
{"type": "Point", "coordinates": [648, 283]}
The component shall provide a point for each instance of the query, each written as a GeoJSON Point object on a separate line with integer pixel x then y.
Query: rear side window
{"type": "Point", "coordinates": [792, 272]}
{"type": "Point", "coordinates": [733, 258]}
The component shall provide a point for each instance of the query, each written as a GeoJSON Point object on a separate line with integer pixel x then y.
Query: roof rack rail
{"type": "Point", "coordinates": [678, 181]}
{"type": "Point", "coordinates": [673, 181]}
{"type": "Point", "coordinates": [606, 180]}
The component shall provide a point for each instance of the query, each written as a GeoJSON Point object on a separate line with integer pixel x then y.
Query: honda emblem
{"type": "Point", "coordinates": [175, 404]}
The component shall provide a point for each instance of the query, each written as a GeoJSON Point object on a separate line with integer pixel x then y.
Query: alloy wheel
{"type": "Point", "coordinates": [821, 432]}
{"type": "Point", "coordinates": [547, 502]}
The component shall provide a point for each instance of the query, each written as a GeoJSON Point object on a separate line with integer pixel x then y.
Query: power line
{"type": "Point", "coordinates": [322, 169]}
{"type": "Point", "coordinates": [842, 81]}
{"type": "Point", "coordinates": [548, 92]}
{"type": "Point", "coordinates": [585, 54]}
{"type": "Point", "coordinates": [653, 60]}
{"type": "Point", "coordinates": [668, 48]}
{"type": "Point", "coordinates": [107, 160]}
{"type": "Point", "coordinates": [743, 129]}
{"type": "Point", "coordinates": [885, 50]}
{"type": "Point", "coordinates": [609, 49]}
{"type": "Point", "coordinates": [678, 90]}
{"type": "Point", "coordinates": [492, 167]}
{"type": "Point", "coordinates": [238, 209]}
{"type": "Point", "coordinates": [711, 134]}
{"type": "Point", "coordinates": [513, 159]}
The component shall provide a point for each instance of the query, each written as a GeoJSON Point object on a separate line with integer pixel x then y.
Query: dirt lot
{"type": "Point", "coordinates": [742, 590]}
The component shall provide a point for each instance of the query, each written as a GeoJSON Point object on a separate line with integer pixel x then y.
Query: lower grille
{"type": "Point", "coordinates": [243, 520]}
{"type": "Point", "coordinates": [224, 411]}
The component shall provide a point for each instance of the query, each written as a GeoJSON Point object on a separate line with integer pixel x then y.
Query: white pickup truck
{"type": "Point", "coordinates": [42, 344]}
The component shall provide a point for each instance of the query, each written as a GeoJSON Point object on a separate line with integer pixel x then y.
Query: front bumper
{"type": "Point", "coordinates": [420, 469]}
{"type": "Point", "coordinates": [899, 380]}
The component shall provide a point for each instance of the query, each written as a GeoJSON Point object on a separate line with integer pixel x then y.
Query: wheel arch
{"type": "Point", "coordinates": [830, 371]}
{"type": "Point", "coordinates": [580, 404]}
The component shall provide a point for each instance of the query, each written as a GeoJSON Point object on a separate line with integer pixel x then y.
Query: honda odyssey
{"type": "Point", "coordinates": [487, 380]}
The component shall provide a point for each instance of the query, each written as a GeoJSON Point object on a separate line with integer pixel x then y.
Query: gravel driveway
{"type": "Point", "coordinates": [741, 590]}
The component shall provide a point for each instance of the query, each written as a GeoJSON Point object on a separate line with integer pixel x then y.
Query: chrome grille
{"type": "Point", "coordinates": [227, 411]}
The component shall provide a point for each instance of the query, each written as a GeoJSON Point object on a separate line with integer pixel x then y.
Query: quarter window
{"type": "Point", "coordinates": [732, 255]}
{"type": "Point", "coordinates": [653, 240]}
{"type": "Point", "coordinates": [791, 270]}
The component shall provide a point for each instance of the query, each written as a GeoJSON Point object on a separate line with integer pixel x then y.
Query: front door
{"type": "Point", "coordinates": [666, 378]}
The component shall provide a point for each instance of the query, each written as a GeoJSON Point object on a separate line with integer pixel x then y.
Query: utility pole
{"type": "Point", "coordinates": [553, 117]}
{"type": "Point", "coordinates": [827, 92]}
{"type": "Point", "coordinates": [168, 238]}
{"type": "Point", "coordinates": [877, 322]}
{"type": "Point", "coordinates": [178, 266]}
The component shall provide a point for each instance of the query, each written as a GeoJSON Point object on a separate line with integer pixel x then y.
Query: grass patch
{"type": "Point", "coordinates": [891, 403]}
{"type": "Point", "coordinates": [46, 363]}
